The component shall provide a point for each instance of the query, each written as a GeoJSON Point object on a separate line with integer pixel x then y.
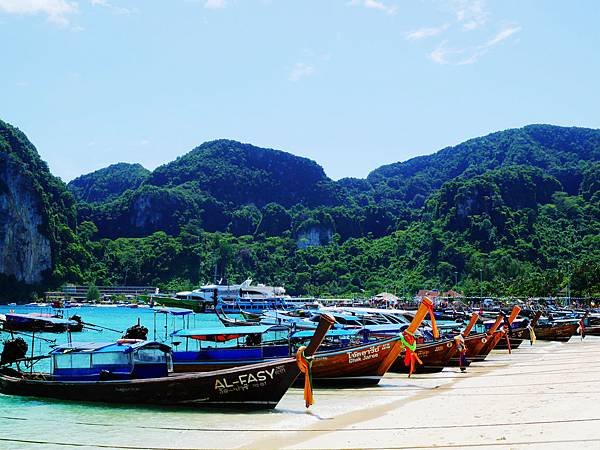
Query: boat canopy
{"type": "Point", "coordinates": [305, 334]}
{"type": "Point", "coordinates": [106, 347]}
{"type": "Point", "coordinates": [173, 311]}
{"type": "Point", "coordinates": [222, 334]}
{"type": "Point", "coordinates": [52, 320]}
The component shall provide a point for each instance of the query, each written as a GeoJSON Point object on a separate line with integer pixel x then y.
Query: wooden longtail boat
{"type": "Point", "coordinates": [434, 355]}
{"type": "Point", "coordinates": [556, 331]}
{"type": "Point", "coordinates": [253, 386]}
{"type": "Point", "coordinates": [35, 322]}
{"type": "Point", "coordinates": [518, 335]}
{"type": "Point", "coordinates": [481, 344]}
{"type": "Point", "coordinates": [497, 334]}
{"type": "Point", "coordinates": [229, 322]}
{"type": "Point", "coordinates": [363, 364]}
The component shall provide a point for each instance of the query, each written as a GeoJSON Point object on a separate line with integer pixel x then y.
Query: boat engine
{"type": "Point", "coordinates": [136, 332]}
{"type": "Point", "coordinates": [14, 349]}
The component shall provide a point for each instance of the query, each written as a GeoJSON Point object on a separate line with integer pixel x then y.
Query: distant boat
{"type": "Point", "coordinates": [231, 298]}
{"type": "Point", "coordinates": [39, 323]}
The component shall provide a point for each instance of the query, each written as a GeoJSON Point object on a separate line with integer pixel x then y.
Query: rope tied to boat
{"type": "Point", "coordinates": [436, 333]}
{"type": "Point", "coordinates": [305, 365]}
{"type": "Point", "coordinates": [410, 356]}
{"type": "Point", "coordinates": [507, 337]}
{"type": "Point", "coordinates": [532, 337]}
{"type": "Point", "coordinates": [581, 329]}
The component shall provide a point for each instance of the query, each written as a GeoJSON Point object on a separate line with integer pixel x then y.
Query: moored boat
{"type": "Point", "coordinates": [358, 364]}
{"type": "Point", "coordinates": [138, 372]}
{"type": "Point", "coordinates": [36, 322]}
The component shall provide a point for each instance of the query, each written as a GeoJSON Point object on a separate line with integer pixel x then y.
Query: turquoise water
{"type": "Point", "coordinates": [45, 423]}
{"type": "Point", "coordinates": [116, 318]}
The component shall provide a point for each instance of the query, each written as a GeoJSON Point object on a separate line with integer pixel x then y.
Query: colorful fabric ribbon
{"type": "Point", "coordinates": [305, 366]}
{"type": "Point", "coordinates": [410, 346]}
{"type": "Point", "coordinates": [462, 351]}
{"type": "Point", "coordinates": [507, 337]}
{"type": "Point", "coordinates": [532, 337]}
{"type": "Point", "coordinates": [581, 329]}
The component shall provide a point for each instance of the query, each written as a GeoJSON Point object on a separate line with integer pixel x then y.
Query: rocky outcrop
{"type": "Point", "coordinates": [25, 252]}
{"type": "Point", "coordinates": [314, 236]}
{"type": "Point", "coordinates": [38, 246]}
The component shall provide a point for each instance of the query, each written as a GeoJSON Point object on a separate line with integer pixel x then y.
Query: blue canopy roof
{"type": "Point", "coordinates": [331, 333]}
{"type": "Point", "coordinates": [217, 331]}
{"type": "Point", "coordinates": [105, 347]}
{"type": "Point", "coordinates": [54, 320]}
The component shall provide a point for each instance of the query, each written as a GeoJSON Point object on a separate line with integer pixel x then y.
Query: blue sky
{"type": "Point", "coordinates": [352, 84]}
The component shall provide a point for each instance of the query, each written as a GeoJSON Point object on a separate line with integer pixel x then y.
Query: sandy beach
{"type": "Point", "coordinates": [541, 396]}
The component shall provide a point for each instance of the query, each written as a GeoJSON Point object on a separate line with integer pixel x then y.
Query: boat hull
{"type": "Point", "coordinates": [358, 365]}
{"type": "Point", "coordinates": [561, 333]}
{"type": "Point", "coordinates": [434, 355]}
{"type": "Point", "coordinates": [254, 386]}
{"type": "Point", "coordinates": [474, 344]}
{"type": "Point", "coordinates": [516, 337]}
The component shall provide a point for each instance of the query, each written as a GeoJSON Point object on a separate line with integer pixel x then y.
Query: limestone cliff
{"type": "Point", "coordinates": [36, 216]}
{"type": "Point", "coordinates": [25, 252]}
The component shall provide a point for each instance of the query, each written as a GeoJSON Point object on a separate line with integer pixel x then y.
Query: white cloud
{"type": "Point", "coordinates": [375, 4]}
{"type": "Point", "coordinates": [472, 14]}
{"type": "Point", "coordinates": [215, 4]}
{"type": "Point", "coordinates": [301, 70]}
{"type": "Point", "coordinates": [423, 33]}
{"type": "Point", "coordinates": [57, 11]}
{"type": "Point", "coordinates": [445, 55]}
{"type": "Point", "coordinates": [502, 35]}
{"type": "Point", "coordinates": [118, 10]}
{"type": "Point", "coordinates": [442, 52]}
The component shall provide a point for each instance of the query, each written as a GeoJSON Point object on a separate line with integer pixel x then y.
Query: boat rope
{"type": "Point", "coordinates": [581, 329]}
{"type": "Point", "coordinates": [507, 337]}
{"type": "Point", "coordinates": [532, 337]}
{"type": "Point", "coordinates": [436, 333]}
{"type": "Point", "coordinates": [410, 356]}
{"type": "Point", "coordinates": [305, 365]}
{"type": "Point", "coordinates": [462, 351]}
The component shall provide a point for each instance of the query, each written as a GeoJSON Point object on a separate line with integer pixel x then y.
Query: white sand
{"type": "Point", "coordinates": [546, 396]}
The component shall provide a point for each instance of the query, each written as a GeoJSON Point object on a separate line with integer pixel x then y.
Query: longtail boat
{"type": "Point", "coordinates": [498, 333]}
{"type": "Point", "coordinates": [362, 364]}
{"type": "Point", "coordinates": [229, 322]}
{"type": "Point", "coordinates": [138, 373]}
{"type": "Point", "coordinates": [36, 322]}
{"type": "Point", "coordinates": [516, 336]}
{"type": "Point", "coordinates": [479, 345]}
{"type": "Point", "coordinates": [434, 355]}
{"type": "Point", "coordinates": [559, 330]}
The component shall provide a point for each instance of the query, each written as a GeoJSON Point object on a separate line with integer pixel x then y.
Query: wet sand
{"type": "Point", "coordinates": [546, 396]}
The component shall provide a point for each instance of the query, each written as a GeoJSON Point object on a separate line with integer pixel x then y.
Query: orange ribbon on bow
{"type": "Point", "coordinates": [305, 366]}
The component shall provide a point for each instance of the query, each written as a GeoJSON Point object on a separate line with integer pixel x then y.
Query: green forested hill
{"type": "Point", "coordinates": [560, 151]}
{"type": "Point", "coordinates": [108, 183]}
{"type": "Point", "coordinates": [519, 209]}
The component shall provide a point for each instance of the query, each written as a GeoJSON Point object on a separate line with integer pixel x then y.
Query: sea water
{"type": "Point", "coordinates": [47, 423]}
